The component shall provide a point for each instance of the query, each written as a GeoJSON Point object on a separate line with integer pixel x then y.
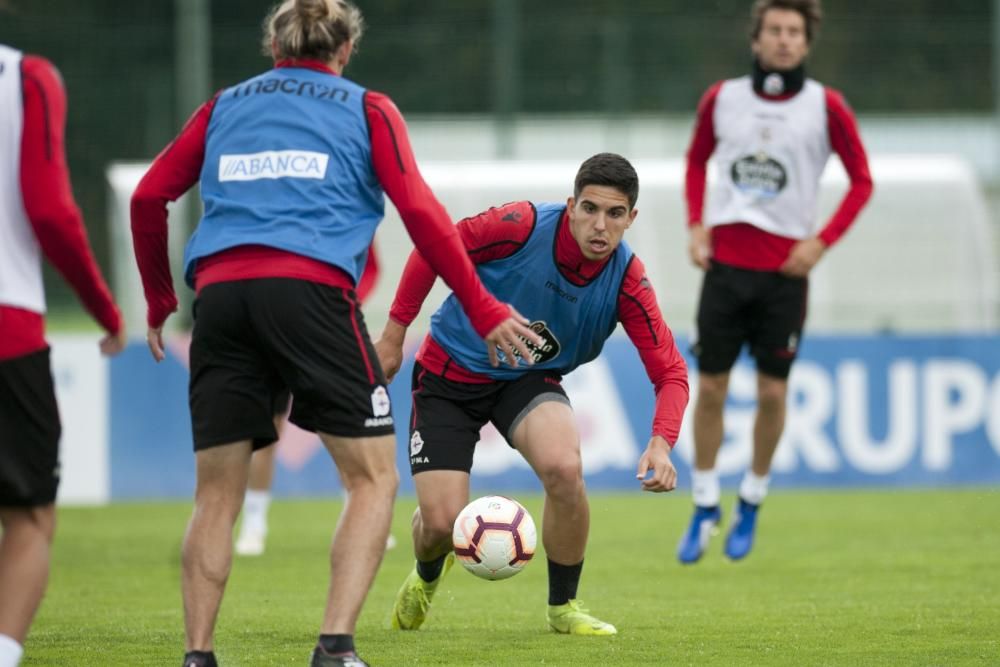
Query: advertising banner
{"type": "Point", "coordinates": [863, 411]}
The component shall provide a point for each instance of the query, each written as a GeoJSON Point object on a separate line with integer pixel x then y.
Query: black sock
{"type": "Point", "coordinates": [563, 580]}
{"type": "Point", "coordinates": [429, 570]}
{"type": "Point", "coordinates": [200, 658]}
{"type": "Point", "coordinates": [333, 644]}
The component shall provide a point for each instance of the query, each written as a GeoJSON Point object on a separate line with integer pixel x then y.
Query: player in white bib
{"type": "Point", "coordinates": [771, 134]}
{"type": "Point", "coordinates": [39, 219]}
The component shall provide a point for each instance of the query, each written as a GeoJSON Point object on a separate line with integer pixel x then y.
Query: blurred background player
{"type": "Point", "coordinates": [292, 166]}
{"type": "Point", "coordinates": [253, 522]}
{"type": "Point", "coordinates": [772, 133]}
{"type": "Point", "coordinates": [564, 265]}
{"type": "Point", "coordinates": [38, 215]}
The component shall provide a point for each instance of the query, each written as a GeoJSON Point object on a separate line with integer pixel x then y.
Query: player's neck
{"type": "Point", "coordinates": [777, 84]}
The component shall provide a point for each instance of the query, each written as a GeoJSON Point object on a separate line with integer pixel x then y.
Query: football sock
{"type": "Point", "coordinates": [705, 488]}
{"type": "Point", "coordinates": [753, 489]}
{"type": "Point", "coordinates": [563, 580]}
{"type": "Point", "coordinates": [10, 651]}
{"type": "Point", "coordinates": [200, 658]}
{"type": "Point", "coordinates": [255, 506]}
{"type": "Point", "coordinates": [332, 644]}
{"type": "Point", "coordinates": [429, 570]}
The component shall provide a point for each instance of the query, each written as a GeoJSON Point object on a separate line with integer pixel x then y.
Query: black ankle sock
{"type": "Point", "coordinates": [337, 643]}
{"type": "Point", "coordinates": [200, 658]}
{"type": "Point", "coordinates": [429, 570]}
{"type": "Point", "coordinates": [563, 580]}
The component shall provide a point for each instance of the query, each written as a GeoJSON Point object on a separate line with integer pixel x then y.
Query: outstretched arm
{"type": "Point", "coordinates": [493, 234]}
{"type": "Point", "coordinates": [432, 232]}
{"type": "Point", "coordinates": [641, 318]}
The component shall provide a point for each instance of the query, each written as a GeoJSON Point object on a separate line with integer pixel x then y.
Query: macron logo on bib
{"type": "Point", "coordinates": [273, 164]}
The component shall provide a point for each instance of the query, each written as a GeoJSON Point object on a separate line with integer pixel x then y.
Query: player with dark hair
{"type": "Point", "coordinates": [566, 267]}
{"type": "Point", "coordinates": [38, 216]}
{"type": "Point", "coordinates": [292, 166]}
{"type": "Point", "coordinates": [771, 133]}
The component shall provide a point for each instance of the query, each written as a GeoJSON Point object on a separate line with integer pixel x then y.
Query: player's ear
{"type": "Point", "coordinates": [344, 53]}
{"type": "Point", "coordinates": [570, 204]}
{"type": "Point", "coordinates": [631, 217]}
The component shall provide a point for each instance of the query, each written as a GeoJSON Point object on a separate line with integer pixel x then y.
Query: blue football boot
{"type": "Point", "coordinates": [740, 538]}
{"type": "Point", "coordinates": [704, 524]}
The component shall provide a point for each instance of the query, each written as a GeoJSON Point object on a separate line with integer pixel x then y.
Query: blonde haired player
{"type": "Point", "coordinates": [293, 165]}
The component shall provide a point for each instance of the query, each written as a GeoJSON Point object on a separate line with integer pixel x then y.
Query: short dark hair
{"type": "Point", "coordinates": [608, 169]}
{"type": "Point", "coordinates": [809, 9]}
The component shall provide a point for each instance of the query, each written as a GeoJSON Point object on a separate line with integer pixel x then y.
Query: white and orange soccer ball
{"type": "Point", "coordinates": [494, 537]}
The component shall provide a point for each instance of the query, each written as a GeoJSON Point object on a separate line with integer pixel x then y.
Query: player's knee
{"type": "Point", "coordinates": [30, 523]}
{"type": "Point", "coordinates": [387, 481]}
{"type": "Point", "coordinates": [712, 390]}
{"type": "Point", "coordinates": [563, 478]}
{"type": "Point", "coordinates": [771, 394]}
{"type": "Point", "coordinates": [376, 481]}
{"type": "Point", "coordinates": [438, 523]}
{"type": "Point", "coordinates": [218, 501]}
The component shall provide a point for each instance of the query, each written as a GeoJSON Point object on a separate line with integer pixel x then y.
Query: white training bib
{"type": "Point", "coordinates": [770, 156]}
{"type": "Point", "coordinates": [20, 258]}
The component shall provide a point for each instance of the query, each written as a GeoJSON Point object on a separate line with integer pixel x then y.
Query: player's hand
{"type": "Point", "coordinates": [656, 458]}
{"type": "Point", "coordinates": [389, 348]}
{"type": "Point", "coordinates": [803, 257]}
{"type": "Point", "coordinates": [511, 335]}
{"type": "Point", "coordinates": [699, 246]}
{"type": "Point", "coordinates": [112, 344]}
{"type": "Point", "coordinates": [154, 338]}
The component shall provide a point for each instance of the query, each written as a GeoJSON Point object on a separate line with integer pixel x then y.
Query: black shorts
{"type": "Point", "coordinates": [447, 415]}
{"type": "Point", "coordinates": [29, 432]}
{"type": "Point", "coordinates": [281, 403]}
{"type": "Point", "coordinates": [255, 339]}
{"type": "Point", "coordinates": [766, 310]}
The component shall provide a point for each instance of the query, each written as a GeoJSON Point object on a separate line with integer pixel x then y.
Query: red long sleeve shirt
{"type": "Point", "coordinates": [52, 211]}
{"type": "Point", "coordinates": [178, 167]}
{"type": "Point", "coordinates": [490, 236]}
{"type": "Point", "coordinates": [741, 244]}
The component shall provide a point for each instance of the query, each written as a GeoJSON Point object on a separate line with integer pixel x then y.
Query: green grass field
{"type": "Point", "coordinates": [873, 578]}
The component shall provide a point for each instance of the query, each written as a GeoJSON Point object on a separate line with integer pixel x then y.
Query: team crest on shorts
{"type": "Point", "coordinates": [380, 408]}
{"type": "Point", "coordinates": [380, 402]}
{"type": "Point", "coordinates": [416, 443]}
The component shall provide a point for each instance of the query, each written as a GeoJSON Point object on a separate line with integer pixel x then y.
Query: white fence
{"type": "Point", "coordinates": [921, 258]}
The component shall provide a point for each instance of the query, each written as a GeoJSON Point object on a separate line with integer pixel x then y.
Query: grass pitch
{"type": "Point", "coordinates": [853, 578]}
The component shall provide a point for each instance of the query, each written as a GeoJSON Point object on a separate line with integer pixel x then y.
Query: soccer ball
{"type": "Point", "coordinates": [494, 537]}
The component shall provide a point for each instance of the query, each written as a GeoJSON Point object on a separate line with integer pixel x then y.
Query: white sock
{"type": "Point", "coordinates": [10, 652]}
{"type": "Point", "coordinates": [705, 487]}
{"type": "Point", "coordinates": [255, 506]}
{"type": "Point", "coordinates": [753, 489]}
